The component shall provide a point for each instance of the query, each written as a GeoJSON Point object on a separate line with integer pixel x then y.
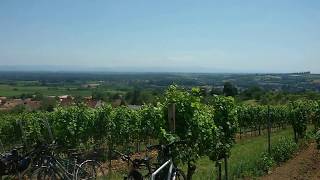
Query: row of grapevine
{"type": "Point", "coordinates": [315, 117]}
{"type": "Point", "coordinates": [298, 114]}
{"type": "Point", "coordinates": [256, 118]}
{"type": "Point", "coordinates": [81, 126]}
{"type": "Point", "coordinates": [208, 129]}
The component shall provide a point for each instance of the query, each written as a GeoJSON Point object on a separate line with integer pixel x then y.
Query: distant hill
{"type": "Point", "coordinates": [122, 69]}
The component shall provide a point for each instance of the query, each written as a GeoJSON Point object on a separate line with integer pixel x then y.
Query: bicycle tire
{"type": "Point", "coordinates": [89, 170]}
{"type": "Point", "coordinates": [178, 175]}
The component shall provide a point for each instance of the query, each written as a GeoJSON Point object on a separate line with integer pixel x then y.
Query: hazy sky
{"type": "Point", "coordinates": [238, 35]}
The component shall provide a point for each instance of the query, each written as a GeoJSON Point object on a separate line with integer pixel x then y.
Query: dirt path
{"type": "Point", "coordinates": [305, 166]}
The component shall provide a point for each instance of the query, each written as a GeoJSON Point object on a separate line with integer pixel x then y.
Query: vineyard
{"type": "Point", "coordinates": [209, 127]}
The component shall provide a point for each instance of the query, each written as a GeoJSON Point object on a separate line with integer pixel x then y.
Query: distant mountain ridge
{"type": "Point", "coordinates": [75, 68]}
{"type": "Point", "coordinates": [53, 68]}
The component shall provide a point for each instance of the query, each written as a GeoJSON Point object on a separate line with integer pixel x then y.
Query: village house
{"type": "Point", "coordinates": [88, 97]}
{"type": "Point", "coordinates": [66, 100]}
{"type": "Point", "coordinates": [13, 103]}
{"type": "Point", "coordinates": [63, 97]}
{"type": "Point", "coordinates": [31, 105]}
{"type": "Point", "coordinates": [9, 104]}
{"type": "Point", "coordinates": [94, 103]}
{"type": "Point", "coordinates": [2, 100]}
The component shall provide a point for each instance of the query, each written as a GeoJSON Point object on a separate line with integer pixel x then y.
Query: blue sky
{"type": "Point", "coordinates": [204, 35]}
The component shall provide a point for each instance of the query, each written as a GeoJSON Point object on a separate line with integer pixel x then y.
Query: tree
{"type": "Point", "coordinates": [48, 104]}
{"type": "Point", "coordinates": [136, 96]}
{"type": "Point", "coordinates": [99, 95]}
{"type": "Point", "coordinates": [38, 96]}
{"type": "Point", "coordinates": [18, 109]}
{"type": "Point", "coordinates": [215, 91]}
{"type": "Point", "coordinates": [254, 92]}
{"type": "Point", "coordinates": [25, 96]}
{"type": "Point", "coordinates": [147, 97]}
{"type": "Point", "coordinates": [78, 99]}
{"type": "Point", "coordinates": [204, 92]}
{"type": "Point", "coordinates": [229, 89]}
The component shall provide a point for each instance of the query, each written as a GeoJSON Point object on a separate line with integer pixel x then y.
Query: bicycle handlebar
{"type": "Point", "coordinates": [18, 147]}
{"type": "Point", "coordinates": [123, 156]}
{"type": "Point", "coordinates": [135, 162]}
{"type": "Point", "coordinates": [161, 147]}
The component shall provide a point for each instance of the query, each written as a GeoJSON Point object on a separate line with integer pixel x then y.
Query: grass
{"type": "Point", "coordinates": [242, 160]}
{"type": "Point", "coordinates": [243, 157]}
{"type": "Point", "coordinates": [113, 176]}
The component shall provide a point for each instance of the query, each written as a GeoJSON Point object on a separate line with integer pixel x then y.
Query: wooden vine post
{"type": "Point", "coordinates": [2, 147]}
{"type": "Point", "coordinates": [110, 156]}
{"type": "Point", "coordinates": [47, 125]}
{"type": "Point", "coordinates": [226, 167]}
{"type": "Point", "coordinates": [172, 117]}
{"type": "Point", "coordinates": [24, 140]}
{"type": "Point", "coordinates": [218, 165]}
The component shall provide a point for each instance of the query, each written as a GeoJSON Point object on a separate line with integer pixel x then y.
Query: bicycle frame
{"type": "Point", "coordinates": [166, 164]}
{"type": "Point", "coordinates": [66, 172]}
{"type": "Point", "coordinates": [62, 169]}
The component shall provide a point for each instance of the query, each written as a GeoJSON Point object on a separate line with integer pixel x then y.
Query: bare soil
{"type": "Point", "coordinates": [304, 166]}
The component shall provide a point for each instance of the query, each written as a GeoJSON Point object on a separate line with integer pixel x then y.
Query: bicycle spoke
{"type": "Point", "coordinates": [89, 170]}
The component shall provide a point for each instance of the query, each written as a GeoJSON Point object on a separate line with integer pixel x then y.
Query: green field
{"type": "Point", "coordinates": [16, 90]}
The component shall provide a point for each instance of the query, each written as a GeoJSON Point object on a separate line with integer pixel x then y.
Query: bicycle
{"type": "Point", "coordinates": [12, 164]}
{"type": "Point", "coordinates": [168, 170]}
{"type": "Point", "coordinates": [15, 165]}
{"type": "Point", "coordinates": [136, 165]}
{"type": "Point", "coordinates": [51, 166]}
{"type": "Point", "coordinates": [165, 170]}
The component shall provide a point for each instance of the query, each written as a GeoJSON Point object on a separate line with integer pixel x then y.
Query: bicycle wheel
{"type": "Point", "coordinates": [178, 175]}
{"type": "Point", "coordinates": [89, 170]}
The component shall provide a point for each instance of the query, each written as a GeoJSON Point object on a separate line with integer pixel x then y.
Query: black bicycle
{"type": "Point", "coordinates": [72, 167]}
{"type": "Point", "coordinates": [16, 164]}
{"type": "Point", "coordinates": [136, 165]}
{"type": "Point", "coordinates": [165, 169]}
{"type": "Point", "coordinates": [43, 163]}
